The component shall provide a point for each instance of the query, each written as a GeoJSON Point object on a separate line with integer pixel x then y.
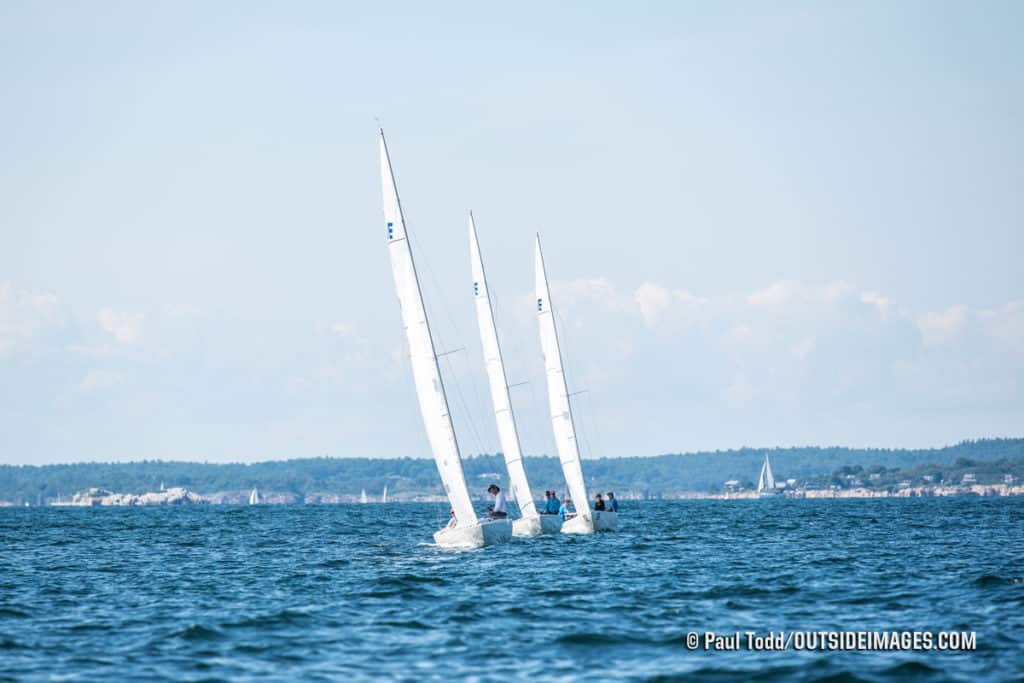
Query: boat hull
{"type": "Point", "coordinates": [578, 525]}
{"type": "Point", "coordinates": [542, 524]}
{"type": "Point", "coordinates": [605, 520]}
{"type": "Point", "coordinates": [484, 532]}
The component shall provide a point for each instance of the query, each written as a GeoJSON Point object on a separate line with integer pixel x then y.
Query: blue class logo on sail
{"type": "Point", "coordinates": [540, 305]}
{"type": "Point", "coordinates": [391, 231]}
{"type": "Point", "coordinates": [476, 289]}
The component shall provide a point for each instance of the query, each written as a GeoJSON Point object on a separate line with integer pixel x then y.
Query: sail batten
{"type": "Point", "coordinates": [558, 394]}
{"type": "Point", "coordinates": [508, 434]}
{"type": "Point", "coordinates": [430, 390]}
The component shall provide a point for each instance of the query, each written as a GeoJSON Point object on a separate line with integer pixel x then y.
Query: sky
{"type": "Point", "coordinates": [767, 224]}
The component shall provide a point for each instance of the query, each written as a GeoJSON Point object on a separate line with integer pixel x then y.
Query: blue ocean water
{"type": "Point", "coordinates": [355, 592]}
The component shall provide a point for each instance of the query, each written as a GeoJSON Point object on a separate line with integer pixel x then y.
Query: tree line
{"type": "Point", "coordinates": [642, 476]}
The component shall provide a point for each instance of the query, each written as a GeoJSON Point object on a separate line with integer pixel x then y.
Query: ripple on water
{"type": "Point", "coordinates": [359, 593]}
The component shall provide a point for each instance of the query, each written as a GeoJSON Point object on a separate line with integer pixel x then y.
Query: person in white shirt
{"type": "Point", "coordinates": [500, 509]}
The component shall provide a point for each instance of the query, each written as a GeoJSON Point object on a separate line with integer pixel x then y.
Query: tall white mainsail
{"type": "Point", "coordinates": [558, 396]}
{"type": "Point", "coordinates": [423, 357]}
{"type": "Point", "coordinates": [767, 480]}
{"type": "Point", "coordinates": [507, 433]}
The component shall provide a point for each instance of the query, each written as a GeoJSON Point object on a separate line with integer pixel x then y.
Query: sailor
{"type": "Point", "coordinates": [566, 510]}
{"type": "Point", "coordinates": [499, 510]}
{"type": "Point", "coordinates": [613, 503]}
{"type": "Point", "coordinates": [599, 502]}
{"type": "Point", "coordinates": [452, 521]}
{"type": "Point", "coordinates": [553, 508]}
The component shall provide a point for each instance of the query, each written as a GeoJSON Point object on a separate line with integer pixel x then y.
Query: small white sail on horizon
{"type": "Point", "coordinates": [254, 497]}
{"type": "Point", "coordinates": [766, 481]}
{"type": "Point", "coordinates": [529, 523]}
{"type": "Point", "coordinates": [362, 497]}
{"type": "Point", "coordinates": [465, 530]}
{"type": "Point", "coordinates": [384, 496]}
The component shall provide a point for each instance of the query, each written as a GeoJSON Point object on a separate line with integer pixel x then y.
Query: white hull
{"type": "Point", "coordinates": [542, 524]}
{"type": "Point", "coordinates": [552, 524]}
{"type": "Point", "coordinates": [483, 532]}
{"type": "Point", "coordinates": [606, 521]}
{"type": "Point", "coordinates": [578, 525]}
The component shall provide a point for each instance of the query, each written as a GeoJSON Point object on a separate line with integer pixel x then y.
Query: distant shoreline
{"type": "Point", "coordinates": [181, 496]}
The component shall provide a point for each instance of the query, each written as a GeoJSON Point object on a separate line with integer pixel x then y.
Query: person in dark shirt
{"type": "Point", "coordinates": [598, 502]}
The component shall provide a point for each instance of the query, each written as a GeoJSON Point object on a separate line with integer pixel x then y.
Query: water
{"type": "Point", "coordinates": [352, 592]}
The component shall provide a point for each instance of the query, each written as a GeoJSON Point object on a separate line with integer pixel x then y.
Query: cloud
{"type": "Point", "coordinates": [99, 380]}
{"type": "Point", "coordinates": [657, 303]}
{"type": "Point", "coordinates": [941, 326]}
{"type": "Point", "coordinates": [123, 327]}
{"type": "Point", "coordinates": [22, 314]}
{"type": "Point", "coordinates": [787, 292]}
{"type": "Point", "coordinates": [1005, 325]}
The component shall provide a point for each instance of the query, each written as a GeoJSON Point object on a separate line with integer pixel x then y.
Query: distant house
{"type": "Point", "coordinates": [903, 484]}
{"type": "Point", "coordinates": [874, 477]}
{"type": "Point", "coordinates": [490, 475]}
{"type": "Point", "coordinates": [857, 483]}
{"type": "Point", "coordinates": [732, 485]}
{"type": "Point", "coordinates": [969, 479]}
{"type": "Point", "coordinates": [791, 482]}
{"type": "Point", "coordinates": [928, 478]}
{"type": "Point", "coordinates": [1009, 479]}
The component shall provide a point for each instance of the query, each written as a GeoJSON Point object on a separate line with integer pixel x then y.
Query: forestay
{"type": "Point", "coordinates": [507, 432]}
{"type": "Point", "coordinates": [422, 354]}
{"type": "Point", "coordinates": [558, 395]}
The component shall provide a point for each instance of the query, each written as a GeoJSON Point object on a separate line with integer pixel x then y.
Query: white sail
{"type": "Point", "coordinates": [422, 354]}
{"type": "Point", "coordinates": [384, 496]}
{"type": "Point", "coordinates": [254, 497]}
{"type": "Point", "coordinates": [362, 497]}
{"type": "Point", "coordinates": [507, 433]}
{"type": "Point", "coordinates": [767, 480]}
{"type": "Point", "coordinates": [558, 395]}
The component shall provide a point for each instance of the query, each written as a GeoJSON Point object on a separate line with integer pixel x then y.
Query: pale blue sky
{"type": "Point", "coordinates": [769, 224]}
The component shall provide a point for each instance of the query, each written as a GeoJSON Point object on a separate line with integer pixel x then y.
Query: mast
{"type": "Point", "coordinates": [558, 395]}
{"type": "Point", "coordinates": [422, 354]}
{"type": "Point", "coordinates": [507, 432]}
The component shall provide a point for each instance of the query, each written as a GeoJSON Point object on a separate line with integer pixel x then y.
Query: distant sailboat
{"type": "Point", "coordinates": [766, 482]}
{"type": "Point", "coordinates": [530, 522]}
{"type": "Point", "coordinates": [384, 496]}
{"type": "Point", "coordinates": [465, 529]}
{"type": "Point", "coordinates": [586, 521]}
{"type": "Point", "coordinates": [363, 498]}
{"type": "Point", "coordinates": [254, 497]}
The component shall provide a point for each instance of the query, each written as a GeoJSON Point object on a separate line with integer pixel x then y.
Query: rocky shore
{"type": "Point", "coordinates": [96, 497]}
{"type": "Point", "coordinates": [907, 492]}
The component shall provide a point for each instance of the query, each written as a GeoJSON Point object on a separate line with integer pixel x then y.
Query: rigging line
{"type": "Point", "coordinates": [536, 417]}
{"type": "Point", "coordinates": [462, 401]}
{"type": "Point", "coordinates": [579, 422]}
{"type": "Point", "coordinates": [468, 415]}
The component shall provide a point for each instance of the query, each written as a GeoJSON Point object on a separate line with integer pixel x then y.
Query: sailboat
{"type": "Point", "coordinates": [362, 497]}
{"type": "Point", "coordinates": [766, 482]}
{"type": "Point", "coordinates": [530, 522]}
{"type": "Point", "coordinates": [464, 530]}
{"type": "Point", "coordinates": [384, 496]}
{"type": "Point", "coordinates": [586, 521]}
{"type": "Point", "coordinates": [254, 497]}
